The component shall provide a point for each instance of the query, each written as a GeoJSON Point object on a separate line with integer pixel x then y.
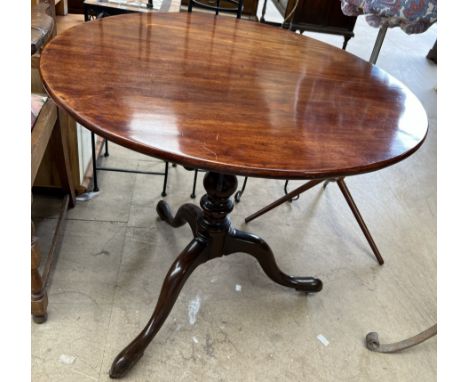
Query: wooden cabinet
{"type": "Point", "coordinates": [322, 16]}
{"type": "Point", "coordinates": [75, 6]}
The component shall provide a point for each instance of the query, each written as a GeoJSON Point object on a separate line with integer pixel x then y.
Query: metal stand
{"type": "Point", "coordinates": [106, 154]}
{"type": "Point", "coordinates": [347, 195]}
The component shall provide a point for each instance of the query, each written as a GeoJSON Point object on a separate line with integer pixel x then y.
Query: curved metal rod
{"type": "Point", "coordinates": [283, 199]}
{"type": "Point", "coordinates": [373, 343]}
{"type": "Point", "coordinates": [238, 194]}
{"type": "Point", "coordinates": [286, 192]}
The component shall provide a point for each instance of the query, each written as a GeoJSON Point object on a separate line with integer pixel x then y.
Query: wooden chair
{"type": "Point", "coordinates": [47, 131]}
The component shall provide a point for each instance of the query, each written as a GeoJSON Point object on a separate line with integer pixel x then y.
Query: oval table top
{"type": "Point", "coordinates": [232, 96]}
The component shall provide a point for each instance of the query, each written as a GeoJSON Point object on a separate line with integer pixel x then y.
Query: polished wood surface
{"type": "Point", "coordinates": [232, 96]}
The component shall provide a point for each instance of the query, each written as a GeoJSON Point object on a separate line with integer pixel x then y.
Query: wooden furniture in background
{"type": "Point", "coordinates": [60, 6]}
{"type": "Point", "coordinates": [47, 176]}
{"type": "Point", "coordinates": [42, 25]}
{"type": "Point", "coordinates": [323, 16]}
{"type": "Point", "coordinates": [46, 134]}
{"type": "Point", "coordinates": [75, 6]}
{"type": "Point", "coordinates": [298, 116]}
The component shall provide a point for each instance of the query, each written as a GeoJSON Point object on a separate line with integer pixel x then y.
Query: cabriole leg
{"type": "Point", "coordinates": [238, 241]}
{"type": "Point", "coordinates": [190, 258]}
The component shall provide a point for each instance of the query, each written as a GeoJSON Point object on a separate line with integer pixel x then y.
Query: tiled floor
{"type": "Point", "coordinates": [115, 254]}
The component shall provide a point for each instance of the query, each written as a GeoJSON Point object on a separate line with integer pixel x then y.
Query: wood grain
{"type": "Point", "coordinates": [40, 135]}
{"type": "Point", "coordinates": [232, 96]}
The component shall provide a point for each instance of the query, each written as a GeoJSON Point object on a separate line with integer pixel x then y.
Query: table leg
{"type": "Point", "coordinates": [187, 213]}
{"type": "Point", "coordinates": [378, 44]}
{"type": "Point", "coordinates": [192, 256]}
{"type": "Point", "coordinates": [347, 195]}
{"type": "Point", "coordinates": [262, 19]}
{"type": "Point", "coordinates": [39, 299]}
{"type": "Point", "coordinates": [352, 205]}
{"type": "Point", "coordinates": [285, 198]}
{"type": "Point", "coordinates": [238, 241]}
{"type": "Point", "coordinates": [214, 237]}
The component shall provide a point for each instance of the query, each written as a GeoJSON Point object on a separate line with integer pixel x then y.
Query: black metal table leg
{"type": "Point", "coordinates": [262, 18]}
{"type": "Point", "coordinates": [195, 175]}
{"type": "Point", "coordinates": [93, 155]}
{"type": "Point", "coordinates": [238, 194]}
{"type": "Point", "coordinates": [286, 192]}
{"type": "Point", "coordinates": [166, 174]}
{"type": "Point", "coordinates": [106, 148]}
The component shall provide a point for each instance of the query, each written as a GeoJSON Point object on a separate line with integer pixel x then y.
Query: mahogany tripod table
{"type": "Point", "coordinates": [231, 97]}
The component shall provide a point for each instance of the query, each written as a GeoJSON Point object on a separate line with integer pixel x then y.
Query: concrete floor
{"type": "Point", "coordinates": [231, 323]}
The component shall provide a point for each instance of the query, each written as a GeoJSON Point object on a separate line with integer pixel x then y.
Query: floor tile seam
{"type": "Point", "coordinates": [143, 226]}
{"type": "Point", "coordinates": [36, 217]}
{"type": "Point", "coordinates": [132, 195]}
{"type": "Point", "coordinates": [97, 220]}
{"type": "Point", "coordinates": [112, 304]}
{"type": "Point", "coordinates": [151, 159]}
{"type": "Point", "coordinates": [118, 273]}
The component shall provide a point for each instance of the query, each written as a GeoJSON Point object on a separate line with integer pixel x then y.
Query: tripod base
{"type": "Point", "coordinates": [214, 236]}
